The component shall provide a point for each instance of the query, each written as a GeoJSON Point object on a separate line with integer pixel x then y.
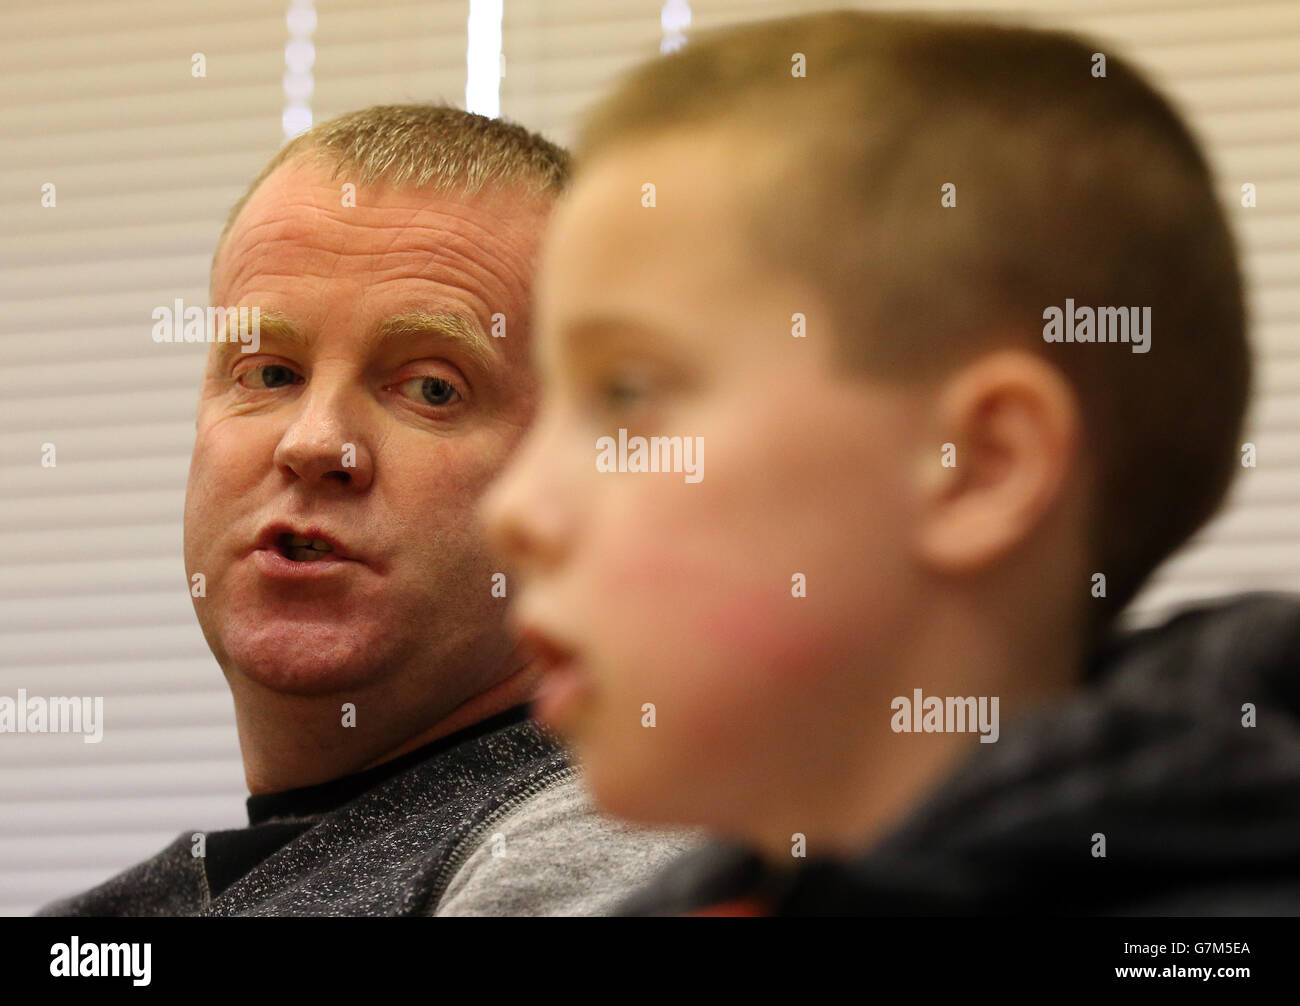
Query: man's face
{"type": "Point", "coordinates": [377, 408]}
{"type": "Point", "coordinates": [648, 590]}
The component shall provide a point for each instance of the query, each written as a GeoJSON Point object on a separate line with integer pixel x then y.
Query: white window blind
{"type": "Point", "coordinates": [97, 97]}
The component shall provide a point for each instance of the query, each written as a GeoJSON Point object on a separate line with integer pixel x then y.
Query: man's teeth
{"type": "Point", "coordinates": [301, 549]}
{"type": "Point", "coordinates": [298, 541]}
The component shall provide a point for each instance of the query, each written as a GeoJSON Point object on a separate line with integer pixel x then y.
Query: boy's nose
{"type": "Point", "coordinates": [523, 511]}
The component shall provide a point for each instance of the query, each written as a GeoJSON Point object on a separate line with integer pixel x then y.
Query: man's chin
{"type": "Point", "coordinates": [307, 665]}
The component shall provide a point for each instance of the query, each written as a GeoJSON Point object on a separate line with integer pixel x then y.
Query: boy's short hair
{"type": "Point", "coordinates": [1067, 184]}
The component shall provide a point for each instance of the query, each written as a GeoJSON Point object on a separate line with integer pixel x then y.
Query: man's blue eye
{"type": "Point", "coordinates": [436, 391]}
{"type": "Point", "coordinates": [433, 390]}
{"type": "Point", "coordinates": [276, 376]}
{"type": "Point", "coordinates": [270, 375]}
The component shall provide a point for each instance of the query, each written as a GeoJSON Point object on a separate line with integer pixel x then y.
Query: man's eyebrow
{"type": "Point", "coordinates": [460, 330]}
{"type": "Point", "coordinates": [270, 325]}
{"type": "Point", "coordinates": [279, 327]}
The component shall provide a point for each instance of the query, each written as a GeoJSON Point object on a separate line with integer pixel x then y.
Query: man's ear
{"type": "Point", "coordinates": [1014, 426]}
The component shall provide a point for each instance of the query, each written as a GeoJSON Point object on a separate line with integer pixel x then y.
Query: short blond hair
{"type": "Point", "coordinates": [433, 146]}
{"type": "Point", "coordinates": [1071, 186]}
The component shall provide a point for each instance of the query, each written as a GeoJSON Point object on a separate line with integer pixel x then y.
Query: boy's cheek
{"type": "Point", "coordinates": [676, 593]}
{"type": "Point", "coordinates": [700, 646]}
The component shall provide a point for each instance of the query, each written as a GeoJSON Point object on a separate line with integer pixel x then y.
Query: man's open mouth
{"type": "Point", "coordinates": [300, 549]}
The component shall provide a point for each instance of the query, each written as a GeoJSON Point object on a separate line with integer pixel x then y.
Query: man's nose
{"type": "Point", "coordinates": [324, 444]}
{"type": "Point", "coordinates": [524, 512]}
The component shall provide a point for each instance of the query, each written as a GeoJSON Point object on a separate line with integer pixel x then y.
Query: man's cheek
{"type": "Point", "coordinates": [223, 459]}
{"type": "Point", "coordinates": [432, 476]}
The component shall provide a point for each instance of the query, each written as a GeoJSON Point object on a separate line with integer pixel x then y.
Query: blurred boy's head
{"type": "Point", "coordinates": [820, 252]}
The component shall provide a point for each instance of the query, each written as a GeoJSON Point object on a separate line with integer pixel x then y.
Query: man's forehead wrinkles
{"type": "Point", "coordinates": [475, 272]}
{"type": "Point", "coordinates": [419, 214]}
{"type": "Point", "coordinates": [495, 283]}
{"type": "Point", "coordinates": [477, 257]}
{"type": "Point", "coordinates": [400, 241]}
{"type": "Point", "coordinates": [300, 218]}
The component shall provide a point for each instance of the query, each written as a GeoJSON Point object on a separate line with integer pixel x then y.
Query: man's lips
{"type": "Point", "coordinates": [282, 536]}
{"type": "Point", "coordinates": [287, 551]}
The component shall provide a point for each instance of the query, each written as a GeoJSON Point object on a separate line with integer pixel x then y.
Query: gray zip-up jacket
{"type": "Point", "coordinates": [489, 821]}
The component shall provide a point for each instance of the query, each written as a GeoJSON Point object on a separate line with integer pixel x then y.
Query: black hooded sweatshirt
{"type": "Point", "coordinates": [1182, 749]}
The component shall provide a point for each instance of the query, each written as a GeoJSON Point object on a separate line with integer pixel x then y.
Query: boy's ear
{"type": "Point", "coordinates": [1013, 423]}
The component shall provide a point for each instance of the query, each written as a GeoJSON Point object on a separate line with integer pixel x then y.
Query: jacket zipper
{"type": "Point", "coordinates": [468, 845]}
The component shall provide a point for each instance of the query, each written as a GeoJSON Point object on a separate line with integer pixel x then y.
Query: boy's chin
{"type": "Point", "coordinates": [627, 790]}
